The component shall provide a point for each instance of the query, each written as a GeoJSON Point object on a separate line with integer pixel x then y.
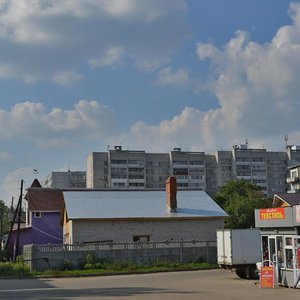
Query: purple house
{"type": "Point", "coordinates": [42, 224]}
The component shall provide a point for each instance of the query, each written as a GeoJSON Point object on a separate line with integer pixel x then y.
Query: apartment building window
{"type": "Point", "coordinates": [141, 238]}
{"type": "Point", "coordinates": [226, 168]}
{"type": "Point", "coordinates": [118, 176]}
{"type": "Point", "coordinates": [196, 162]}
{"type": "Point", "coordinates": [180, 162]}
{"type": "Point", "coordinates": [119, 169]}
{"type": "Point", "coordinates": [136, 176]}
{"type": "Point", "coordinates": [257, 159]}
{"type": "Point", "coordinates": [180, 171]}
{"type": "Point", "coordinates": [119, 184]}
{"type": "Point", "coordinates": [119, 161]}
{"type": "Point", "coordinates": [136, 184]}
{"type": "Point", "coordinates": [37, 214]}
{"type": "Point", "coordinates": [136, 162]}
{"type": "Point", "coordinates": [196, 170]}
{"type": "Point", "coordinates": [136, 169]}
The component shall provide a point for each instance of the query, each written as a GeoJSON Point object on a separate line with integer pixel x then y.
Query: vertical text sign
{"type": "Point", "coordinates": [267, 277]}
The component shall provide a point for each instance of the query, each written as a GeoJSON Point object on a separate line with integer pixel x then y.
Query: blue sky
{"type": "Point", "coordinates": [77, 76]}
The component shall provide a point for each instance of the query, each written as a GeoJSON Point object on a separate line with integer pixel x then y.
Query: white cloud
{"type": "Point", "coordinates": [111, 57]}
{"type": "Point", "coordinates": [257, 87]}
{"type": "Point", "coordinates": [40, 38]}
{"type": "Point", "coordinates": [179, 77]}
{"type": "Point", "coordinates": [32, 121]}
{"type": "Point", "coordinates": [66, 77]}
{"type": "Point", "coordinates": [4, 155]}
{"type": "Point", "coordinates": [12, 182]}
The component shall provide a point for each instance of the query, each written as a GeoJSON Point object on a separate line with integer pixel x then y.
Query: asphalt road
{"type": "Point", "coordinates": [212, 284]}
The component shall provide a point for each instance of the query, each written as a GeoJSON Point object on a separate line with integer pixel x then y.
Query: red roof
{"type": "Point", "coordinates": [44, 199]}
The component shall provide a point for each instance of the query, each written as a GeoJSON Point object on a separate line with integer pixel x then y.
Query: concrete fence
{"type": "Point", "coordinates": [43, 257]}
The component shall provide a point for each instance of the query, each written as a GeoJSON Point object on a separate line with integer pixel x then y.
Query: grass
{"type": "Point", "coordinates": [10, 269]}
{"type": "Point", "coordinates": [127, 268]}
{"type": "Point", "coordinates": [17, 270]}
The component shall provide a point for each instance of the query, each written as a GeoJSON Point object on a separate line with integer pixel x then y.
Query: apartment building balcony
{"type": "Point", "coordinates": [136, 165]}
{"type": "Point", "coordinates": [181, 166]}
{"type": "Point", "coordinates": [182, 179]}
{"type": "Point", "coordinates": [136, 180]}
{"type": "Point", "coordinates": [193, 166]}
{"type": "Point", "coordinates": [259, 176]}
{"type": "Point", "coordinates": [116, 165]}
{"type": "Point", "coordinates": [246, 177]}
{"type": "Point", "coordinates": [293, 180]}
{"type": "Point", "coordinates": [119, 180]}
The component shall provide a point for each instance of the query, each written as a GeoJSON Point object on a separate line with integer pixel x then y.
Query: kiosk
{"type": "Point", "coordinates": [280, 240]}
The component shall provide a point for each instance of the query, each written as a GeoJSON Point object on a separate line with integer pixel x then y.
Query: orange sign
{"type": "Point", "coordinates": [266, 277]}
{"type": "Point", "coordinates": [272, 213]}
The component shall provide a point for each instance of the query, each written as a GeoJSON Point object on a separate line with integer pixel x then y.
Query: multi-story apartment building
{"type": "Point", "coordinates": [97, 170]}
{"type": "Point", "coordinates": [277, 163]}
{"type": "Point", "coordinates": [250, 165]}
{"type": "Point", "coordinates": [131, 169]}
{"type": "Point", "coordinates": [188, 168]}
{"type": "Point", "coordinates": [157, 169]}
{"type": "Point", "coordinates": [259, 166]}
{"type": "Point", "coordinates": [120, 168]}
{"type": "Point", "coordinates": [65, 180]}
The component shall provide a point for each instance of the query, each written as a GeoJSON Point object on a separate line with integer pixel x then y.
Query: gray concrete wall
{"type": "Point", "coordinates": [53, 256]}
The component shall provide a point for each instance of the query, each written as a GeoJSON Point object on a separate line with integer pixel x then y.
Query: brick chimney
{"type": "Point", "coordinates": [171, 191]}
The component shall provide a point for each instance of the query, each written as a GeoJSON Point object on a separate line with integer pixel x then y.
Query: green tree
{"type": "Point", "coordinates": [4, 216]}
{"type": "Point", "coordinates": [239, 199]}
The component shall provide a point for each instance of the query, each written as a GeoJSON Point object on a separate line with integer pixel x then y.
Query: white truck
{"type": "Point", "coordinates": [239, 249]}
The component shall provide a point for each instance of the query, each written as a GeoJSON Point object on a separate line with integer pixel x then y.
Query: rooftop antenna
{"type": "Point", "coordinates": [35, 172]}
{"type": "Point", "coordinates": [286, 138]}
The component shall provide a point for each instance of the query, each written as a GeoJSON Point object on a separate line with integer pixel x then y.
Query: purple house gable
{"type": "Point", "coordinates": [43, 219]}
{"type": "Point", "coordinates": [44, 230]}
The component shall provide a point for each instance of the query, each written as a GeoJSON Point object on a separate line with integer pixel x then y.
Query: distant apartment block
{"type": "Point", "coordinates": [136, 169]}
{"type": "Point", "coordinates": [129, 169]}
{"type": "Point", "coordinates": [64, 180]}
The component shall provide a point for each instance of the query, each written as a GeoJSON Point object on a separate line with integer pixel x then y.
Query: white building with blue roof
{"type": "Point", "coordinates": [92, 216]}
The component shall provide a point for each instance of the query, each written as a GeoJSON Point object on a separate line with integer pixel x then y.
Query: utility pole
{"type": "Point", "coordinates": [19, 220]}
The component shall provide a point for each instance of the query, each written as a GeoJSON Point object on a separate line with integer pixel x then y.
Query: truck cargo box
{"type": "Point", "coordinates": [238, 247]}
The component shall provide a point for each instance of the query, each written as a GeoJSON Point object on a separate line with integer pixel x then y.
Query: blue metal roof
{"type": "Point", "coordinates": [138, 204]}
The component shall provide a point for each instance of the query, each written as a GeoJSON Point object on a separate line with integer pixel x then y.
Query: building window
{"type": "Point", "coordinates": [141, 238]}
{"type": "Point", "coordinates": [37, 214]}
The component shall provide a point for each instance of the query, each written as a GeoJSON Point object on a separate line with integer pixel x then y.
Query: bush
{"type": "Point", "coordinates": [89, 261]}
{"type": "Point", "coordinates": [14, 269]}
{"type": "Point", "coordinates": [66, 266]}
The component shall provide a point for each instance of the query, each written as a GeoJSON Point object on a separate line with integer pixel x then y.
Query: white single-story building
{"type": "Point", "coordinates": [92, 216]}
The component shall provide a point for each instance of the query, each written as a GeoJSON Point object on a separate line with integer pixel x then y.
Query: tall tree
{"type": "Point", "coordinates": [4, 223]}
{"type": "Point", "coordinates": [239, 199]}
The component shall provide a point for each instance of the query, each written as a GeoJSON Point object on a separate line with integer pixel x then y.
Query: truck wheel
{"type": "Point", "coordinates": [253, 272]}
{"type": "Point", "coordinates": [241, 272]}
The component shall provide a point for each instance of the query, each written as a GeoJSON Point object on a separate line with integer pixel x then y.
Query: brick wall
{"type": "Point", "coordinates": [163, 230]}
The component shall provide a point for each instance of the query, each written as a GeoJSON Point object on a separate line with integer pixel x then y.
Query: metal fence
{"type": "Point", "coordinates": [138, 252]}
